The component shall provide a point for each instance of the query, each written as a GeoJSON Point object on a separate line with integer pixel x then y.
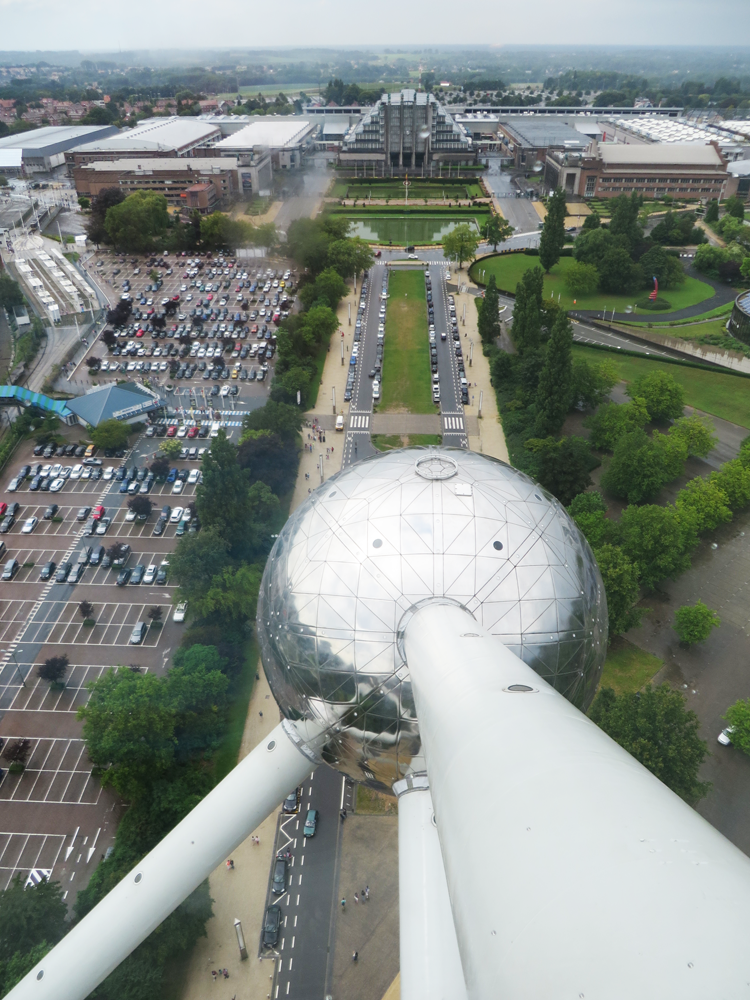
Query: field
{"type": "Point", "coordinates": [712, 333]}
{"type": "Point", "coordinates": [417, 228]}
{"type": "Point", "coordinates": [387, 442]}
{"type": "Point", "coordinates": [509, 269]}
{"type": "Point", "coordinates": [725, 396]}
{"type": "Point", "coordinates": [407, 380]}
{"type": "Point", "coordinates": [627, 668]}
{"type": "Point", "coordinates": [418, 189]}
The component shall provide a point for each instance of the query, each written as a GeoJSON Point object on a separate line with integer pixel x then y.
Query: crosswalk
{"type": "Point", "coordinates": [453, 423]}
{"type": "Point", "coordinates": [359, 421]}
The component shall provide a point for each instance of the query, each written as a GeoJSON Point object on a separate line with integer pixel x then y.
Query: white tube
{"type": "Point", "coordinates": [430, 963]}
{"type": "Point", "coordinates": [594, 879]}
{"type": "Point", "coordinates": [169, 873]}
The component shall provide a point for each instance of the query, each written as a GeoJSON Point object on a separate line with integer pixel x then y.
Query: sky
{"type": "Point", "coordinates": [29, 25]}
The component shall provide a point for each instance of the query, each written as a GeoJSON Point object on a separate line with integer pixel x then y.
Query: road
{"type": "Point", "coordinates": [305, 949]}
{"type": "Point", "coordinates": [519, 212]}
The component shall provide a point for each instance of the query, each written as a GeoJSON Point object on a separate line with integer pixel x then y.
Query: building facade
{"type": "Point", "coordinates": [739, 321]}
{"type": "Point", "coordinates": [170, 177]}
{"type": "Point", "coordinates": [173, 137]}
{"type": "Point", "coordinates": [606, 170]}
{"type": "Point", "coordinates": [407, 130]}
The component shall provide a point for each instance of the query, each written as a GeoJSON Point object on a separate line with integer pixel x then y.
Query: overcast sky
{"type": "Point", "coordinates": [29, 25]}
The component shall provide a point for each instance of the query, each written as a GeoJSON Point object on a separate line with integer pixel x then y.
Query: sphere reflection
{"type": "Point", "coordinates": [389, 533]}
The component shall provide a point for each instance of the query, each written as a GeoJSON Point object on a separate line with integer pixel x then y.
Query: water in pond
{"type": "Point", "coordinates": [406, 230]}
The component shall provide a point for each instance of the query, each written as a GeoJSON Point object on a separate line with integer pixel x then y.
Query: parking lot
{"type": "Point", "coordinates": [56, 797]}
{"type": "Point", "coordinates": [202, 328]}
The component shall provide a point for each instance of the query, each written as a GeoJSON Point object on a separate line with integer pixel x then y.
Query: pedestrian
{"type": "Point", "coordinates": [260, 714]}
{"type": "Point", "coordinates": [226, 973]}
{"type": "Point", "coordinates": [367, 892]}
{"type": "Point", "coordinates": [343, 903]}
{"type": "Point", "coordinates": [230, 865]}
{"type": "Point", "coordinates": [213, 974]}
{"type": "Point", "coordinates": [355, 956]}
{"type": "Point", "coordinates": [364, 898]}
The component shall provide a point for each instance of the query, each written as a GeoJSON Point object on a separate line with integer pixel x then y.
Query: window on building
{"type": "Point", "coordinates": [590, 187]}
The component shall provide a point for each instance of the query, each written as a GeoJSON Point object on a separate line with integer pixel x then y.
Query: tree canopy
{"type": "Point", "coordinates": [137, 222]}
{"type": "Point", "coordinates": [460, 244]}
{"type": "Point", "coordinates": [111, 434]}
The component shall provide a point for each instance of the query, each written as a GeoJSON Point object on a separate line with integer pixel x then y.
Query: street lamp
{"type": "Point", "coordinates": [12, 652]}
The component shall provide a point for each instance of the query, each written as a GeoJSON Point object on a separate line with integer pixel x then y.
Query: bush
{"type": "Point", "coordinates": [653, 305]}
{"type": "Point", "coordinates": [694, 623]}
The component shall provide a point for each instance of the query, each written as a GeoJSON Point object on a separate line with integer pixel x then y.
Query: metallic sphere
{"type": "Point", "coordinates": [407, 526]}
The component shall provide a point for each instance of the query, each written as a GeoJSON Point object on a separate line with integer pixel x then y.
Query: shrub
{"type": "Point", "coordinates": [694, 623]}
{"type": "Point", "coordinates": [653, 305]}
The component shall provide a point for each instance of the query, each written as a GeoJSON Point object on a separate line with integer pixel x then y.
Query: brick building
{"type": "Point", "coordinates": [171, 177]}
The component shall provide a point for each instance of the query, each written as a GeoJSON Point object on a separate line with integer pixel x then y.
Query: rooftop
{"type": "Point", "coordinates": [542, 131]}
{"type": "Point", "coordinates": [677, 153]}
{"type": "Point", "coordinates": [156, 134]}
{"type": "Point", "coordinates": [49, 135]}
{"type": "Point", "coordinates": [120, 402]}
{"type": "Point", "coordinates": [267, 132]}
{"type": "Point", "coordinates": [144, 165]}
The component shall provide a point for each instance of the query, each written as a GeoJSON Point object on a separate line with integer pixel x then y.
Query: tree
{"type": "Point", "coordinates": [160, 467]}
{"type": "Point", "coordinates": [695, 622]}
{"type": "Point", "coordinates": [589, 511]}
{"type": "Point", "coordinates": [641, 465]}
{"type": "Point", "coordinates": [657, 263]}
{"type": "Point", "coordinates": [86, 609]}
{"type": "Point", "coordinates": [613, 420]}
{"type": "Point", "coordinates": [581, 279]}
{"type": "Point", "coordinates": [527, 317]}
{"type": "Point", "coordinates": [556, 381]}
{"type": "Point", "coordinates": [222, 498]}
{"type": "Point", "coordinates": [562, 466]}
{"type": "Point", "coordinates": [620, 578]}
{"type": "Point", "coordinates": [735, 207]}
{"type": "Point", "coordinates": [696, 433]}
{"type": "Point", "coordinates": [663, 395]}
{"type": "Point", "coordinates": [279, 418]}
{"type": "Point", "coordinates": [268, 459]}
{"type": "Point", "coordinates": [617, 272]}
{"type": "Point", "coordinates": [553, 231]}
{"type": "Point", "coordinates": [496, 231]}
{"type": "Point", "coordinates": [155, 614]}
{"type": "Point", "coordinates": [119, 316]}
{"type": "Point", "coordinates": [100, 205]}
{"type": "Point", "coordinates": [54, 668]}
{"type": "Point", "coordinates": [109, 339]}
{"type": "Point", "coordinates": [658, 540]}
{"type": "Point", "coordinates": [220, 232]}
{"type": "Point", "coordinates": [488, 323]}
{"type": "Point", "coordinates": [110, 434]}
{"type": "Point", "coordinates": [738, 717]}
{"type": "Point", "coordinates": [350, 256]}
{"type": "Point", "coordinates": [233, 593]}
{"type": "Point", "coordinates": [10, 292]}
{"type": "Point", "coordinates": [592, 383]}
{"type": "Point", "coordinates": [654, 726]}
{"type": "Point", "coordinates": [329, 287]}
{"type": "Point", "coordinates": [460, 244]}
{"type": "Point", "coordinates": [30, 917]}
{"type": "Point", "coordinates": [592, 221]}
{"type": "Point", "coordinates": [712, 211]}
{"type": "Point", "coordinates": [170, 448]}
{"type": "Point", "coordinates": [135, 224]}
{"type": "Point", "coordinates": [197, 560]}
{"type": "Point", "coordinates": [624, 223]}
{"type": "Point", "coordinates": [141, 506]}
{"type": "Point", "coordinates": [707, 503]}
{"type": "Point", "coordinates": [17, 751]}
{"type": "Point", "coordinates": [733, 479]}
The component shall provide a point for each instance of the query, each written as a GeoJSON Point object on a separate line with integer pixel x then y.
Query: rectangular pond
{"type": "Point", "coordinates": [407, 229]}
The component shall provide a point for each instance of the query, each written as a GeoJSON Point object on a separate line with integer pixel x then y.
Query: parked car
{"type": "Point", "coordinates": [29, 524]}
{"type": "Point", "coordinates": [272, 926]}
{"type": "Point", "coordinates": [62, 572]}
{"type": "Point", "coordinates": [50, 512]}
{"type": "Point", "coordinates": [47, 570]}
{"type": "Point", "coordinates": [136, 576]}
{"type": "Point", "coordinates": [10, 569]}
{"type": "Point", "coordinates": [291, 801]}
{"type": "Point", "coordinates": [278, 886]}
{"type": "Point", "coordinates": [123, 577]}
{"type": "Point", "coordinates": [180, 612]}
{"type": "Point", "coordinates": [138, 634]}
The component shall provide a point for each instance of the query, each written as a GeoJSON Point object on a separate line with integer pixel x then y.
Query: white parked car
{"type": "Point", "coordinates": [725, 736]}
{"type": "Point", "coordinates": [130, 516]}
{"type": "Point", "coordinates": [176, 516]}
{"type": "Point", "coordinates": [56, 485]}
{"type": "Point", "coordinates": [29, 524]}
{"type": "Point", "coordinates": [179, 612]}
{"type": "Point", "coordinates": [182, 431]}
{"type": "Point", "coordinates": [193, 477]}
{"type": "Point", "coordinates": [150, 575]}
{"type": "Point", "coordinates": [108, 472]}
{"type": "Point", "coordinates": [178, 487]}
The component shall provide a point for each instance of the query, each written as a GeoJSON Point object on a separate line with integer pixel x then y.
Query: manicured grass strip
{"type": "Point", "coordinates": [407, 379]}
{"type": "Point", "coordinates": [241, 690]}
{"type": "Point", "coordinates": [387, 442]}
{"type": "Point", "coordinates": [372, 803]}
{"type": "Point", "coordinates": [725, 396]}
{"type": "Point", "coordinates": [510, 268]}
{"type": "Point", "coordinates": [627, 667]}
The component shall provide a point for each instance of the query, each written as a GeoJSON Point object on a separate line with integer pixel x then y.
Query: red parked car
{"type": "Point", "coordinates": [171, 431]}
{"type": "Point", "coordinates": [193, 432]}
{"type": "Point", "coordinates": [98, 512]}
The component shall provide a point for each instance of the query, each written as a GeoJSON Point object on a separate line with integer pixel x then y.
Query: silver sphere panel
{"type": "Point", "coordinates": [401, 528]}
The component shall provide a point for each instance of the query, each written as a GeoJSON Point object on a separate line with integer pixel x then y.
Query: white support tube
{"type": "Point", "coordinates": [169, 873]}
{"type": "Point", "coordinates": [595, 880]}
{"type": "Point", "coordinates": [430, 962]}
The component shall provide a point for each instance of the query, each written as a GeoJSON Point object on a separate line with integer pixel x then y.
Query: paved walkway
{"type": "Point", "coordinates": [723, 294]}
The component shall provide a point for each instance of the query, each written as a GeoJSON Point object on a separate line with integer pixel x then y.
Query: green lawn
{"type": "Point", "coordinates": [725, 396]}
{"type": "Point", "coordinates": [418, 228]}
{"type": "Point", "coordinates": [451, 190]}
{"type": "Point", "coordinates": [407, 379]}
{"type": "Point", "coordinates": [510, 268]}
{"type": "Point", "coordinates": [627, 667]}
{"type": "Point", "coordinates": [712, 333]}
{"type": "Point", "coordinates": [387, 442]}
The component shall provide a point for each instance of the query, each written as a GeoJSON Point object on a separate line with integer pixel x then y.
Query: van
{"type": "Point", "coordinates": [340, 422]}
{"type": "Point", "coordinates": [10, 569]}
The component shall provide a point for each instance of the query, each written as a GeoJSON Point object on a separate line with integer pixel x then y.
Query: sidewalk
{"type": "Point", "coordinates": [242, 893]}
{"type": "Point", "coordinates": [490, 439]}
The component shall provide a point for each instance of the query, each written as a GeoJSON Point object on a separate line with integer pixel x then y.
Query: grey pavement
{"type": "Point", "coordinates": [303, 205]}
